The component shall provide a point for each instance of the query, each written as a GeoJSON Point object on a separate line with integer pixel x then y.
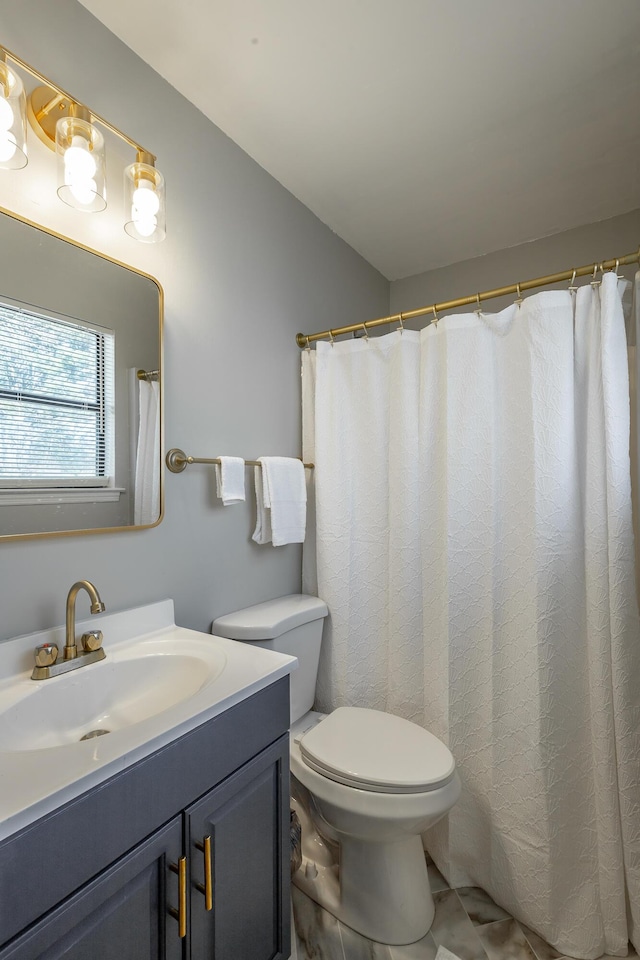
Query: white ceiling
{"type": "Point", "coordinates": [423, 132]}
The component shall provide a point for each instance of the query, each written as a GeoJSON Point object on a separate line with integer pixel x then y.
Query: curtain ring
{"type": "Point", "coordinates": [436, 318]}
{"type": "Point", "coordinates": [593, 281]}
{"type": "Point", "coordinates": [572, 286]}
{"type": "Point", "coordinates": [401, 322]}
{"type": "Point", "coordinates": [518, 299]}
{"type": "Point", "coordinates": [479, 309]}
{"type": "Point", "coordinates": [331, 338]}
{"type": "Point", "coordinates": [366, 332]}
{"type": "Point", "coordinates": [616, 268]}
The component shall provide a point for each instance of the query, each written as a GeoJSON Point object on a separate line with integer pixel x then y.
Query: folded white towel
{"type": "Point", "coordinates": [262, 532]}
{"type": "Point", "coordinates": [230, 480]}
{"type": "Point", "coordinates": [281, 491]}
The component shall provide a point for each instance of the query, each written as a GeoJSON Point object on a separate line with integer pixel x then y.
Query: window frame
{"type": "Point", "coordinates": [54, 489]}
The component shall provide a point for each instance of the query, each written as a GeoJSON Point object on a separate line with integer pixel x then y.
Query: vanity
{"type": "Point", "coordinates": [166, 838]}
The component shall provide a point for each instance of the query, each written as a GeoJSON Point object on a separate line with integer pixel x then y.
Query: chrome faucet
{"type": "Point", "coordinates": [92, 650]}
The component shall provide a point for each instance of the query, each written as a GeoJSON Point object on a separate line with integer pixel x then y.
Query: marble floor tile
{"type": "Point", "coordinates": [467, 922]}
{"type": "Point", "coordinates": [357, 947]}
{"type": "Point", "coordinates": [436, 880]}
{"type": "Point", "coordinates": [540, 947]}
{"type": "Point", "coordinates": [504, 940]}
{"type": "Point", "coordinates": [424, 949]}
{"type": "Point", "coordinates": [453, 929]}
{"type": "Point", "coordinates": [479, 906]}
{"type": "Point", "coordinates": [317, 932]}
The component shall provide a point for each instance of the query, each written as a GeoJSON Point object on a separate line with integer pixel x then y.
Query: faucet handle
{"type": "Point", "coordinates": [46, 654]}
{"type": "Point", "coordinates": [92, 640]}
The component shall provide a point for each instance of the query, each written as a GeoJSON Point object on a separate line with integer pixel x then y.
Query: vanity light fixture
{"type": "Point", "coordinates": [81, 166]}
{"type": "Point", "coordinates": [70, 129]}
{"type": "Point", "coordinates": [144, 200]}
{"type": "Point", "coordinates": [66, 127]}
{"type": "Point", "coordinates": [13, 118]}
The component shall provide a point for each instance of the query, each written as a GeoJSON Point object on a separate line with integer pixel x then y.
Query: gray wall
{"type": "Point", "coordinates": [563, 251]}
{"type": "Point", "coordinates": [244, 267]}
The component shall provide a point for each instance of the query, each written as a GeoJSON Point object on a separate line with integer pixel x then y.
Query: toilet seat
{"type": "Point", "coordinates": [376, 751]}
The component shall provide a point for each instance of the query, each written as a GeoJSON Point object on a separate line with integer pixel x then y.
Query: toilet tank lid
{"type": "Point", "coordinates": [268, 620]}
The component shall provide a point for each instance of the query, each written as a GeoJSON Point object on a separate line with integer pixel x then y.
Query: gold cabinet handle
{"type": "Point", "coordinates": [207, 889]}
{"type": "Point", "coordinates": [181, 913]}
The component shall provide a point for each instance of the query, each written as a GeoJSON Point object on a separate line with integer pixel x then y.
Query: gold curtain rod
{"type": "Point", "coordinates": [177, 461]}
{"type": "Point", "coordinates": [148, 375]}
{"type": "Point", "coordinates": [303, 339]}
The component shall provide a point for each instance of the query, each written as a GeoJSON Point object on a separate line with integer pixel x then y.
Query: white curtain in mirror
{"type": "Point", "coordinates": [147, 484]}
{"type": "Point", "coordinates": [475, 549]}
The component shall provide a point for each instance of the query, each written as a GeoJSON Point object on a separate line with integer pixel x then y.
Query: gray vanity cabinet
{"type": "Point", "coordinates": [99, 878]}
{"type": "Point", "coordinates": [121, 915]}
{"type": "Point", "coordinates": [242, 818]}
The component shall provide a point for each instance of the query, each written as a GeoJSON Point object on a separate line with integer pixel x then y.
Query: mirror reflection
{"type": "Point", "coordinates": [80, 389]}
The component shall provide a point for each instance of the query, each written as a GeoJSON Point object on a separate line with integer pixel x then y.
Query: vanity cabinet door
{"type": "Point", "coordinates": [123, 914]}
{"type": "Point", "coordinates": [247, 821]}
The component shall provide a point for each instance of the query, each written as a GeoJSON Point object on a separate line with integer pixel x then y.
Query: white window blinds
{"type": "Point", "coordinates": [56, 401]}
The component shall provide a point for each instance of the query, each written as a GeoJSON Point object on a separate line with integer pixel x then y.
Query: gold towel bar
{"type": "Point", "coordinates": [177, 461]}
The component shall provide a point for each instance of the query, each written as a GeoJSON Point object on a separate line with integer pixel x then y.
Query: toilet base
{"type": "Point", "coordinates": [381, 890]}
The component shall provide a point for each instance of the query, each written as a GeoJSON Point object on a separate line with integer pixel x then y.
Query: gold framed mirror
{"type": "Point", "coordinates": [81, 400]}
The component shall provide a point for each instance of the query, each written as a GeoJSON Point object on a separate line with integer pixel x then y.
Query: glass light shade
{"type": "Point", "coordinates": [81, 165]}
{"type": "Point", "coordinates": [13, 120]}
{"type": "Point", "coordinates": [144, 202]}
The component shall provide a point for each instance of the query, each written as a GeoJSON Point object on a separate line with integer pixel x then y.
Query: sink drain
{"type": "Point", "coordinates": [94, 733]}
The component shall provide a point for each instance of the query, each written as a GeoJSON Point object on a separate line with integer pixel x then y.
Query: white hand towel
{"type": "Point", "coordinates": [230, 480]}
{"type": "Point", "coordinates": [285, 494]}
{"type": "Point", "coordinates": [262, 532]}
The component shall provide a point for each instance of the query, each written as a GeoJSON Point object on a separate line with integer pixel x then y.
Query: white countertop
{"type": "Point", "coordinates": [34, 782]}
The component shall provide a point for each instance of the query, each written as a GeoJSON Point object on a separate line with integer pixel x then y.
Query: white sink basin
{"type": "Point", "coordinates": [157, 682]}
{"type": "Point", "coordinates": [101, 698]}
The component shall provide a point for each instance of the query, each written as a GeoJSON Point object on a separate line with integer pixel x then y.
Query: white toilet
{"type": "Point", "coordinates": [376, 782]}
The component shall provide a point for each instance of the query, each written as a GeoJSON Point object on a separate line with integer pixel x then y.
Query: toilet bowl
{"type": "Point", "coordinates": [366, 784]}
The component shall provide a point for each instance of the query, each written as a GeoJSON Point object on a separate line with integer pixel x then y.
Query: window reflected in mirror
{"type": "Point", "coordinates": [80, 432]}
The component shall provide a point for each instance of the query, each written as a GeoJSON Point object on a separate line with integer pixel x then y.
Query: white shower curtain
{"type": "Point", "coordinates": [147, 477]}
{"type": "Point", "coordinates": [475, 549]}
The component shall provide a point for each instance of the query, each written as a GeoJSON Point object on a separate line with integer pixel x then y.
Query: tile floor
{"type": "Point", "coordinates": [467, 922]}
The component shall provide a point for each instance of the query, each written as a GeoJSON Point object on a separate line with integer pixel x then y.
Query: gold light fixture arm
{"type": "Point", "coordinates": [4, 80]}
{"type": "Point", "coordinates": [54, 97]}
{"type": "Point", "coordinates": [50, 105]}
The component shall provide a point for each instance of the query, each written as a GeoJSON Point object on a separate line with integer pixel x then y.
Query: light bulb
{"type": "Point", "coordinates": [78, 161]}
{"type": "Point", "coordinates": [145, 199]}
{"type": "Point", "coordinates": [8, 145]}
{"type": "Point", "coordinates": [6, 115]}
{"type": "Point", "coordinates": [80, 149]}
{"type": "Point", "coordinates": [144, 192]}
{"type": "Point", "coordinates": [13, 132]}
{"type": "Point", "coordinates": [145, 223]}
{"type": "Point", "coordinates": [79, 169]}
{"type": "Point", "coordinates": [84, 191]}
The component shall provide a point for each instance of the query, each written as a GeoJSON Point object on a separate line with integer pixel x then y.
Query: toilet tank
{"type": "Point", "coordinates": [291, 625]}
